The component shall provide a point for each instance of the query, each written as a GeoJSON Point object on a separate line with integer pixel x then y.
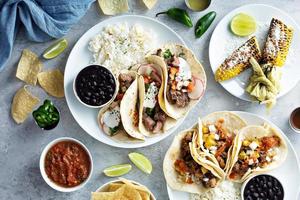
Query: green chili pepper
{"type": "Point", "coordinates": [47, 115]}
{"type": "Point", "coordinates": [167, 54]}
{"type": "Point", "coordinates": [179, 15]}
{"type": "Point", "coordinates": [203, 23]}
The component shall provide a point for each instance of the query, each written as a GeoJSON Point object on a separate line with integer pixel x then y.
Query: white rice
{"type": "Point", "coordinates": [227, 190]}
{"type": "Point", "coordinates": [119, 46]}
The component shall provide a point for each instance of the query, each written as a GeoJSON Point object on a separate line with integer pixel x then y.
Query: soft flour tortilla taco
{"type": "Point", "coordinates": [120, 119]}
{"type": "Point", "coordinates": [217, 131]}
{"type": "Point", "coordinates": [257, 149]}
{"type": "Point", "coordinates": [152, 119]}
{"type": "Point", "coordinates": [184, 171]}
{"type": "Point", "coordinates": [184, 80]}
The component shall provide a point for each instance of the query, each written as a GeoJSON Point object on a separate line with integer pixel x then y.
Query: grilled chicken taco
{"type": "Point", "coordinates": [258, 149]}
{"type": "Point", "coordinates": [120, 119]}
{"type": "Point", "coordinates": [217, 131]}
{"type": "Point", "coordinates": [184, 80]}
{"type": "Point", "coordinates": [152, 119]}
{"type": "Point", "coordinates": [186, 171]}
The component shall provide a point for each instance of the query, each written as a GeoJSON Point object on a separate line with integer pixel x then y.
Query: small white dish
{"type": "Point", "coordinates": [247, 181]}
{"type": "Point", "coordinates": [47, 179]}
{"type": "Point", "coordinates": [90, 106]}
{"type": "Point", "coordinates": [293, 127]}
{"type": "Point", "coordinates": [188, 4]}
{"type": "Point", "coordinates": [104, 187]}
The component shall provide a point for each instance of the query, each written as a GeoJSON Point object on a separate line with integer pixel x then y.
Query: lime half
{"type": "Point", "coordinates": [117, 170]}
{"type": "Point", "coordinates": [141, 162]}
{"type": "Point", "coordinates": [55, 49]}
{"type": "Point", "coordinates": [243, 24]}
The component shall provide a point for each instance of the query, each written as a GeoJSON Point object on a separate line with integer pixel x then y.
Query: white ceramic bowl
{"type": "Point", "coordinates": [104, 187]}
{"type": "Point", "coordinates": [48, 180]}
{"type": "Point", "coordinates": [245, 183]}
{"type": "Point", "coordinates": [90, 106]}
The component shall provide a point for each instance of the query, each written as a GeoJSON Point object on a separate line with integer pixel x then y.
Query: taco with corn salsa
{"type": "Point", "coordinates": [184, 80]}
{"type": "Point", "coordinates": [217, 132]}
{"type": "Point", "coordinates": [185, 170]}
{"type": "Point", "coordinates": [257, 149]}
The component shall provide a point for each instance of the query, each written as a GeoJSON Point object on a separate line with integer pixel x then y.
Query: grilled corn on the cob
{"type": "Point", "coordinates": [238, 61]}
{"type": "Point", "coordinates": [278, 43]}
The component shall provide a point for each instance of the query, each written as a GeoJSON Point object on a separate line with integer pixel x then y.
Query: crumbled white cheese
{"type": "Point", "coordinates": [217, 137]}
{"type": "Point", "coordinates": [249, 152]}
{"type": "Point", "coordinates": [250, 162]}
{"type": "Point", "coordinates": [253, 145]}
{"type": "Point", "coordinates": [212, 128]}
{"type": "Point", "coordinates": [150, 96]}
{"type": "Point", "coordinates": [268, 159]}
{"type": "Point", "coordinates": [112, 118]}
{"type": "Point", "coordinates": [205, 179]}
{"type": "Point", "coordinates": [184, 69]}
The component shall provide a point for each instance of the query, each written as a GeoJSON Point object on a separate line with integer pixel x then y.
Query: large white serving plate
{"type": "Point", "coordinates": [223, 42]}
{"type": "Point", "coordinates": [288, 173]}
{"type": "Point", "coordinates": [81, 57]}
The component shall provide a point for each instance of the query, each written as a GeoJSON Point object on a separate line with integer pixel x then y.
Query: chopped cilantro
{"type": "Point", "coordinates": [167, 54]}
{"type": "Point", "coordinates": [113, 130]}
{"type": "Point", "coordinates": [150, 112]}
{"type": "Point", "coordinates": [147, 85]}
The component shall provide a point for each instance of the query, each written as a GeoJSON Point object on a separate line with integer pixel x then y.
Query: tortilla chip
{"type": "Point", "coordinates": [127, 192]}
{"type": "Point", "coordinates": [22, 105]}
{"type": "Point", "coordinates": [52, 82]}
{"type": "Point", "coordinates": [113, 7]}
{"type": "Point", "coordinates": [103, 196]}
{"type": "Point", "coordinates": [145, 195]}
{"type": "Point", "coordinates": [29, 66]}
{"type": "Point", "coordinates": [150, 3]}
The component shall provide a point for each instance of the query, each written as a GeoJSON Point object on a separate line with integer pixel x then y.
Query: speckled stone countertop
{"type": "Point", "coordinates": [21, 145]}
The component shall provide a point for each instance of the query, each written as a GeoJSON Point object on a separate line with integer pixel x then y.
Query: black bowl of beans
{"type": "Point", "coordinates": [95, 86]}
{"type": "Point", "coordinates": [262, 187]}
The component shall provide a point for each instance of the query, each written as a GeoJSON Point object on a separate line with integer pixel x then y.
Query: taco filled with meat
{"type": "Point", "coordinates": [184, 80]}
{"type": "Point", "coordinates": [217, 132]}
{"type": "Point", "coordinates": [257, 149]}
{"type": "Point", "coordinates": [152, 119]}
{"type": "Point", "coordinates": [186, 171]}
{"type": "Point", "coordinates": [119, 119]}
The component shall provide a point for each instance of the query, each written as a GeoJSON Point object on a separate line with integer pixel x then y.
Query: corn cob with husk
{"type": "Point", "coordinates": [278, 43]}
{"type": "Point", "coordinates": [238, 61]}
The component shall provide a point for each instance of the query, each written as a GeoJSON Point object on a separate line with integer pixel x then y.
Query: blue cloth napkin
{"type": "Point", "coordinates": [42, 20]}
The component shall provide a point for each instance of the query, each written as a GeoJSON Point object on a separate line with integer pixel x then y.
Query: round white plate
{"type": "Point", "coordinates": [81, 57]}
{"type": "Point", "coordinates": [286, 173]}
{"type": "Point", "coordinates": [223, 42]}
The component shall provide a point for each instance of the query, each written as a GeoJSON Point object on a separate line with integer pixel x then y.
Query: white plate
{"type": "Point", "coordinates": [223, 42]}
{"type": "Point", "coordinates": [286, 173]}
{"type": "Point", "coordinates": [81, 57]}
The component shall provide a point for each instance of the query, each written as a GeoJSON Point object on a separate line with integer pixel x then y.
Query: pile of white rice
{"type": "Point", "coordinates": [120, 46]}
{"type": "Point", "coordinates": [227, 190]}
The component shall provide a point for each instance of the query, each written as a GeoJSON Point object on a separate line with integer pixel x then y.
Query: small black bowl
{"type": "Point", "coordinates": [95, 86]}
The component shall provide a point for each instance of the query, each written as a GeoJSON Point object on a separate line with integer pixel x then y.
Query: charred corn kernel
{"type": "Point", "coordinates": [242, 155]}
{"type": "Point", "coordinates": [204, 170]}
{"type": "Point", "coordinates": [246, 143]}
{"type": "Point", "coordinates": [278, 43]}
{"type": "Point", "coordinates": [255, 154]}
{"type": "Point", "coordinates": [210, 142]}
{"type": "Point", "coordinates": [238, 61]}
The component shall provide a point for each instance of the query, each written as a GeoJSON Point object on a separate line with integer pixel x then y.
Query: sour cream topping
{"type": "Point", "coordinates": [150, 96]}
{"type": "Point", "coordinates": [184, 70]}
{"type": "Point", "coordinates": [112, 118]}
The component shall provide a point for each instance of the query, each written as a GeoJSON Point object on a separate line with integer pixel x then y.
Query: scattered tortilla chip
{"type": "Point", "coordinates": [103, 195]}
{"type": "Point", "coordinates": [113, 7]}
{"type": "Point", "coordinates": [52, 82]}
{"type": "Point", "coordinates": [29, 66]}
{"type": "Point", "coordinates": [144, 194]}
{"type": "Point", "coordinates": [22, 105]}
{"type": "Point", "coordinates": [150, 3]}
{"type": "Point", "coordinates": [127, 192]}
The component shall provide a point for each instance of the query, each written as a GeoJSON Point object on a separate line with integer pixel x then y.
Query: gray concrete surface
{"type": "Point", "coordinates": [21, 145]}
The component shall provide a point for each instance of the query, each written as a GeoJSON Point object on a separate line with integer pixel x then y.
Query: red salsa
{"type": "Point", "coordinates": [67, 164]}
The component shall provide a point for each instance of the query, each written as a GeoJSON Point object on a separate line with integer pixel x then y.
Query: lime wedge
{"type": "Point", "coordinates": [55, 49]}
{"type": "Point", "coordinates": [117, 170]}
{"type": "Point", "coordinates": [243, 24]}
{"type": "Point", "coordinates": [141, 162]}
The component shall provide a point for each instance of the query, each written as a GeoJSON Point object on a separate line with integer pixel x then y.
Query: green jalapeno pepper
{"type": "Point", "coordinates": [203, 23]}
{"type": "Point", "coordinates": [179, 15]}
{"type": "Point", "coordinates": [46, 116]}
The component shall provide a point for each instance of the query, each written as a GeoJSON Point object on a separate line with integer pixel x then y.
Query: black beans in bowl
{"type": "Point", "coordinates": [262, 187]}
{"type": "Point", "coordinates": [95, 86]}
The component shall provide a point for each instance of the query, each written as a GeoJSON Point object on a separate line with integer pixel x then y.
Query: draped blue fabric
{"type": "Point", "coordinates": [42, 20]}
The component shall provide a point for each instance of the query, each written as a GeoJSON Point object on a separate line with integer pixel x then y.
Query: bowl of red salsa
{"type": "Point", "coordinates": [66, 164]}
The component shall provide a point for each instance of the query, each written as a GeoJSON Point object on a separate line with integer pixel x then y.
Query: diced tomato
{"type": "Point", "coordinates": [146, 79]}
{"type": "Point", "coordinates": [173, 85]}
{"type": "Point", "coordinates": [232, 175]}
{"type": "Point", "coordinates": [173, 70]}
{"type": "Point", "coordinates": [189, 180]}
{"type": "Point", "coordinates": [220, 150]}
{"type": "Point", "coordinates": [120, 96]}
{"type": "Point", "coordinates": [190, 87]}
{"type": "Point", "coordinates": [269, 142]}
